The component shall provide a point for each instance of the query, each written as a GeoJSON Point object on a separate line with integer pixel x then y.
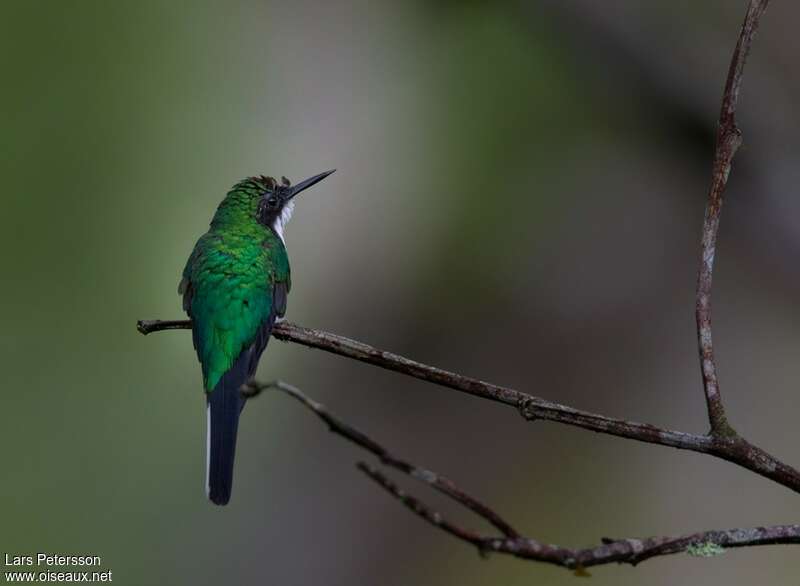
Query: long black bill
{"type": "Point", "coordinates": [295, 189]}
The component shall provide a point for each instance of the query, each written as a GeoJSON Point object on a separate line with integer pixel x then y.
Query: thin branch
{"type": "Point", "coordinates": [630, 551]}
{"type": "Point", "coordinates": [729, 139]}
{"type": "Point", "coordinates": [148, 326]}
{"type": "Point", "coordinates": [733, 449]}
{"type": "Point", "coordinates": [341, 428]}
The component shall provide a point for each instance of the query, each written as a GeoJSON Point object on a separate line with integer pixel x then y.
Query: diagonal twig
{"type": "Point", "coordinates": [341, 428]}
{"type": "Point", "coordinates": [510, 542]}
{"type": "Point", "coordinates": [732, 449]}
{"type": "Point", "coordinates": [629, 551]}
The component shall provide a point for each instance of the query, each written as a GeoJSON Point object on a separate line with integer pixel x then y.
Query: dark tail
{"type": "Point", "coordinates": [225, 403]}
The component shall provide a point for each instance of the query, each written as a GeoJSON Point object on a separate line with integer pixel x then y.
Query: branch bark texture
{"type": "Point", "coordinates": [729, 139]}
{"type": "Point", "coordinates": [509, 541]}
{"type": "Point", "coordinates": [733, 449]}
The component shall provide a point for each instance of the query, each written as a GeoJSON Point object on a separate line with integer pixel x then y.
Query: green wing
{"type": "Point", "coordinates": [233, 289]}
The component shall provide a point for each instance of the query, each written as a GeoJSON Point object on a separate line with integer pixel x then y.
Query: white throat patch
{"type": "Point", "coordinates": [282, 219]}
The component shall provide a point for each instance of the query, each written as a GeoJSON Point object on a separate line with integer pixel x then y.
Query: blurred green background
{"type": "Point", "coordinates": [519, 198]}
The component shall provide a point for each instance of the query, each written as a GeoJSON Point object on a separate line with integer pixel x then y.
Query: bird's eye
{"type": "Point", "coordinates": [272, 201]}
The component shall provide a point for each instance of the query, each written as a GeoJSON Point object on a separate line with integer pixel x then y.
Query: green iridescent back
{"type": "Point", "coordinates": [235, 280]}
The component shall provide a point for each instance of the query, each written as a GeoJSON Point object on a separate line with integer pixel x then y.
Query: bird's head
{"type": "Point", "coordinates": [276, 203]}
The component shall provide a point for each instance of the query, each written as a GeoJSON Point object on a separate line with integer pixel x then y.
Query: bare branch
{"type": "Point", "coordinates": [729, 138]}
{"type": "Point", "coordinates": [148, 326]}
{"type": "Point", "coordinates": [630, 551]}
{"type": "Point", "coordinates": [339, 427]}
{"type": "Point", "coordinates": [733, 449]}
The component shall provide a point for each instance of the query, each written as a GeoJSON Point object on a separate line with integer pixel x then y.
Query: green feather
{"type": "Point", "coordinates": [232, 272]}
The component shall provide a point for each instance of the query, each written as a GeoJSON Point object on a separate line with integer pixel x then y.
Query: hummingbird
{"type": "Point", "coordinates": [234, 288]}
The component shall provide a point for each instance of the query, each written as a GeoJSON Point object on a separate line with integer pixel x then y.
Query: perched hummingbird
{"type": "Point", "coordinates": [234, 287]}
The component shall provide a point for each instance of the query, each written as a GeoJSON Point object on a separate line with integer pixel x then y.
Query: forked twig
{"type": "Point", "coordinates": [509, 541]}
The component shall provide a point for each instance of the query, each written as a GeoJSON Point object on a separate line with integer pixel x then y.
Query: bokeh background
{"type": "Point", "coordinates": [519, 197]}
